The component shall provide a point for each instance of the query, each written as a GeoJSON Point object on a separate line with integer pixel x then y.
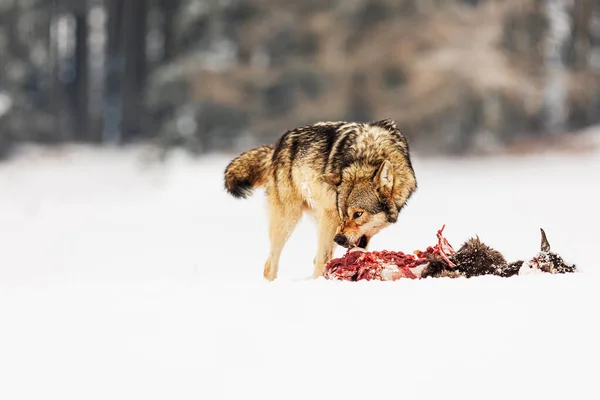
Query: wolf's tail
{"type": "Point", "coordinates": [248, 171]}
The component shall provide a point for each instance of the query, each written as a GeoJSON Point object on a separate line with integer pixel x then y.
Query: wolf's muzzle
{"type": "Point", "coordinates": [341, 240]}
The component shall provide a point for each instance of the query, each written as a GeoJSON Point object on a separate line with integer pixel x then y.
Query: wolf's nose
{"type": "Point", "coordinates": [340, 239]}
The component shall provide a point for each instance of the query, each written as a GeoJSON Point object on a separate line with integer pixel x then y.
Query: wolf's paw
{"type": "Point", "coordinates": [269, 273]}
{"type": "Point", "coordinates": [269, 277]}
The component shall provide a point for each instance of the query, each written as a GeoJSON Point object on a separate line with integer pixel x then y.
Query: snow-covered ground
{"type": "Point", "coordinates": [124, 279]}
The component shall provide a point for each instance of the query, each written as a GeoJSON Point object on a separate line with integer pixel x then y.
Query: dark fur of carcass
{"type": "Point", "coordinates": [474, 258]}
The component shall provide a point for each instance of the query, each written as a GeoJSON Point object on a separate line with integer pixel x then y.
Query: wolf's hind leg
{"type": "Point", "coordinates": [283, 218]}
{"type": "Point", "coordinates": [327, 225]}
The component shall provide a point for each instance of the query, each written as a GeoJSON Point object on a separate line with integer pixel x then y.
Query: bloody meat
{"type": "Point", "coordinates": [358, 264]}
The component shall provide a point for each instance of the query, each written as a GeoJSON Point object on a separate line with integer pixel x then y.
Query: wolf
{"type": "Point", "coordinates": [353, 177]}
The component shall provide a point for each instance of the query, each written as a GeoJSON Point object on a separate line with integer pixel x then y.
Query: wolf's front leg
{"type": "Point", "coordinates": [327, 222]}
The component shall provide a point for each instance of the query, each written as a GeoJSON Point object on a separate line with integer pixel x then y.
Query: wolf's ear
{"type": "Point", "coordinates": [388, 123]}
{"type": "Point", "coordinates": [384, 179]}
{"type": "Point", "coordinates": [333, 179]}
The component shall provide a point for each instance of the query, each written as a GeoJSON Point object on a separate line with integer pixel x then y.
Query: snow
{"type": "Point", "coordinates": [124, 279]}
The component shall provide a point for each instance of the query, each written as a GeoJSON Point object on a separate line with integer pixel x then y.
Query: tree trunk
{"type": "Point", "coordinates": [169, 11]}
{"type": "Point", "coordinates": [134, 17]}
{"type": "Point", "coordinates": [114, 72]}
{"type": "Point", "coordinates": [81, 84]}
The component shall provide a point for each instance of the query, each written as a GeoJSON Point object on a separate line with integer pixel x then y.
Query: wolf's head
{"type": "Point", "coordinates": [368, 203]}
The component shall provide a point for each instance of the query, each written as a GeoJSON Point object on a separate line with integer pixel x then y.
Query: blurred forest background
{"type": "Point", "coordinates": [459, 76]}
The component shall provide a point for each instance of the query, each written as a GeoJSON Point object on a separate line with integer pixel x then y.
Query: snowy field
{"type": "Point", "coordinates": [124, 279]}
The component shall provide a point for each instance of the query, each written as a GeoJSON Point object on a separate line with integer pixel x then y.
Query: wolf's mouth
{"type": "Point", "coordinates": [363, 242]}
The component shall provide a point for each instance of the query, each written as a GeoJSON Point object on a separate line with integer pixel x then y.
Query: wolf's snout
{"type": "Point", "coordinates": [340, 239]}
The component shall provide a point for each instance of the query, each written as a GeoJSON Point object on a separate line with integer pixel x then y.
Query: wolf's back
{"type": "Point", "coordinates": [248, 171]}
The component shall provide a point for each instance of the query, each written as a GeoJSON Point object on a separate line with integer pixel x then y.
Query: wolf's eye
{"type": "Point", "coordinates": [357, 214]}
